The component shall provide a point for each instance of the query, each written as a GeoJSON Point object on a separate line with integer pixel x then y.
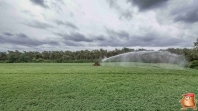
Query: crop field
{"type": "Point", "coordinates": [81, 86]}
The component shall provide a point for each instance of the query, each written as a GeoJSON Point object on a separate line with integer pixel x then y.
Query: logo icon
{"type": "Point", "coordinates": [188, 101]}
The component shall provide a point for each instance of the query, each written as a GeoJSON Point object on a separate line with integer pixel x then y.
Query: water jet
{"type": "Point", "coordinates": [149, 57]}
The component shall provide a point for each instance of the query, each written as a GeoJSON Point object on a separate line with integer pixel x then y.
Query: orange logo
{"type": "Point", "coordinates": [188, 101]}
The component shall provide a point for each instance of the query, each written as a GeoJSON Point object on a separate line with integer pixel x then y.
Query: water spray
{"type": "Point", "coordinates": [146, 57]}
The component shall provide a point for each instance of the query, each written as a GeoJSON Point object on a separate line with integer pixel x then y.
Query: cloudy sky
{"type": "Point", "coordinates": [38, 25]}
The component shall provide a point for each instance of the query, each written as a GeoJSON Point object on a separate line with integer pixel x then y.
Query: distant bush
{"type": "Point", "coordinates": [40, 60]}
{"type": "Point", "coordinates": [47, 61]}
{"type": "Point", "coordinates": [193, 64]}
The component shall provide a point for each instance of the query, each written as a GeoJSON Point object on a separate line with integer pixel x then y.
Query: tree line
{"type": "Point", "coordinates": [59, 56]}
{"type": "Point", "coordinates": [84, 55]}
{"type": "Point", "coordinates": [76, 57]}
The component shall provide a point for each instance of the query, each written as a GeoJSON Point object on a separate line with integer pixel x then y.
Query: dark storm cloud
{"type": "Point", "coordinates": [19, 41]}
{"type": "Point", "coordinates": [24, 40]}
{"type": "Point", "coordinates": [148, 40]}
{"type": "Point", "coordinates": [99, 38]}
{"type": "Point", "coordinates": [37, 24]}
{"type": "Point", "coordinates": [67, 24]}
{"type": "Point", "coordinates": [144, 5]}
{"type": "Point", "coordinates": [51, 42]}
{"type": "Point", "coordinates": [188, 14]}
{"type": "Point", "coordinates": [124, 39]}
{"type": "Point", "coordinates": [21, 35]}
{"type": "Point", "coordinates": [123, 34]}
{"type": "Point", "coordinates": [40, 3]}
{"type": "Point", "coordinates": [71, 43]}
{"type": "Point", "coordinates": [76, 37]}
{"type": "Point", "coordinates": [8, 33]}
{"type": "Point", "coordinates": [120, 34]}
{"type": "Point", "coordinates": [73, 39]}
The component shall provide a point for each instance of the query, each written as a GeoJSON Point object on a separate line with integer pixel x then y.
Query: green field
{"type": "Point", "coordinates": [75, 87]}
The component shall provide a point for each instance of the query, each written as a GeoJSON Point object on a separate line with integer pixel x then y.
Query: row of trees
{"type": "Point", "coordinates": [79, 56]}
{"type": "Point", "coordinates": [59, 56]}
{"type": "Point", "coordinates": [83, 55]}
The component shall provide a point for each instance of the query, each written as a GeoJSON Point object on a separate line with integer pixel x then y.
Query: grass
{"type": "Point", "coordinates": [74, 87]}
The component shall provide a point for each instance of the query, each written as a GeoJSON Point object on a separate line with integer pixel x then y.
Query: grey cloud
{"type": "Point", "coordinates": [150, 37]}
{"type": "Point", "coordinates": [56, 6]}
{"type": "Point", "coordinates": [73, 38]}
{"type": "Point", "coordinates": [71, 25]}
{"type": "Point", "coordinates": [126, 14]}
{"type": "Point", "coordinates": [188, 14]}
{"type": "Point", "coordinates": [144, 5]}
{"type": "Point", "coordinates": [148, 40]}
{"type": "Point", "coordinates": [51, 42]}
{"type": "Point", "coordinates": [28, 13]}
{"type": "Point", "coordinates": [22, 35]}
{"type": "Point", "coordinates": [37, 24]}
{"type": "Point", "coordinates": [58, 22]}
{"type": "Point", "coordinates": [100, 38]}
{"type": "Point", "coordinates": [24, 40]}
{"type": "Point", "coordinates": [40, 3]}
{"type": "Point", "coordinates": [1, 3]}
{"type": "Point", "coordinates": [5, 5]}
{"type": "Point", "coordinates": [123, 34]}
{"type": "Point", "coordinates": [119, 34]}
{"type": "Point", "coordinates": [19, 41]}
{"type": "Point", "coordinates": [67, 24]}
{"type": "Point", "coordinates": [60, 2]}
{"type": "Point", "coordinates": [76, 37]}
{"type": "Point", "coordinates": [8, 33]}
{"type": "Point", "coordinates": [174, 42]}
{"type": "Point", "coordinates": [18, 35]}
{"type": "Point", "coordinates": [71, 14]}
{"type": "Point", "coordinates": [71, 43]}
{"type": "Point", "coordinates": [113, 4]}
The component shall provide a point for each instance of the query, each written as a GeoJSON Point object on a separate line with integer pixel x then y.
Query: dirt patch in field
{"type": "Point", "coordinates": [96, 64]}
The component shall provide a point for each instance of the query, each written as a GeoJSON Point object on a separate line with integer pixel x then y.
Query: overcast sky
{"type": "Point", "coordinates": [38, 25]}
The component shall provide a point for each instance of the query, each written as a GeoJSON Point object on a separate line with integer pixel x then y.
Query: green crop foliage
{"type": "Point", "coordinates": [81, 86]}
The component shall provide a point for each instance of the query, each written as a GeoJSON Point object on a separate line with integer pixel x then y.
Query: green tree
{"type": "Point", "coordinates": [196, 44]}
{"type": "Point", "coordinates": [12, 57]}
{"type": "Point", "coordinates": [3, 56]}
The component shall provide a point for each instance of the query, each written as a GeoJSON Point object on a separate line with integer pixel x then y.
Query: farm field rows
{"type": "Point", "coordinates": [81, 86]}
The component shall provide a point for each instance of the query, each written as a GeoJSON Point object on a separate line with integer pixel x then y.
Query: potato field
{"type": "Point", "coordinates": [84, 87]}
